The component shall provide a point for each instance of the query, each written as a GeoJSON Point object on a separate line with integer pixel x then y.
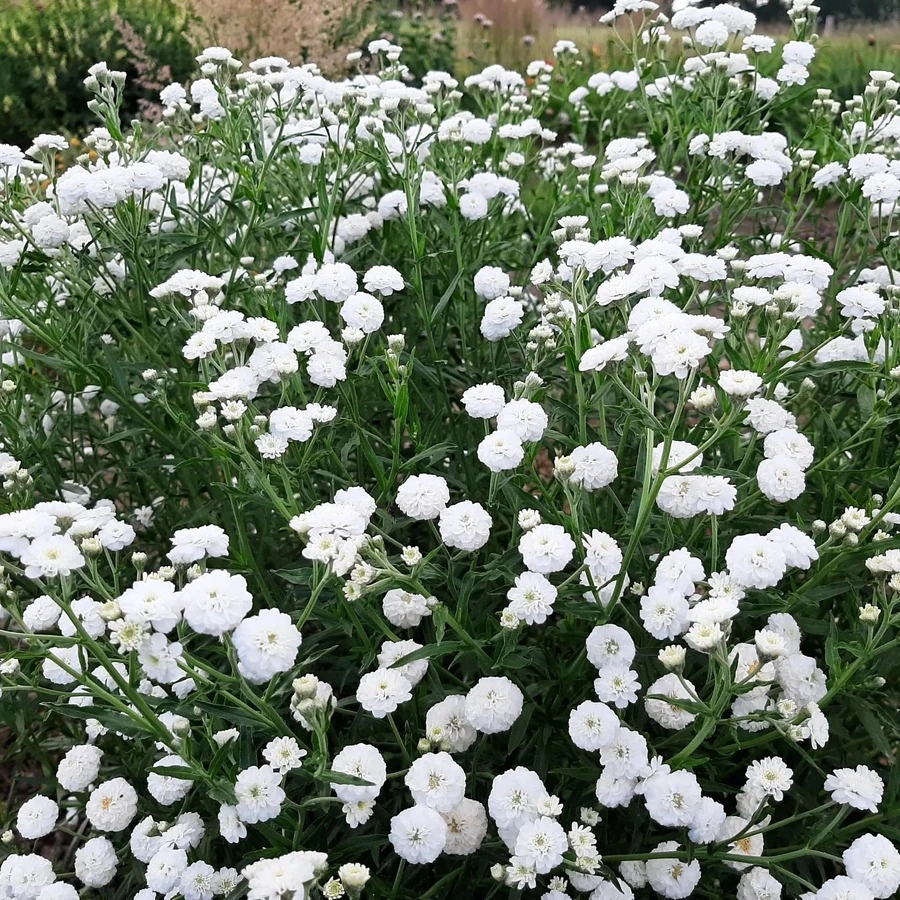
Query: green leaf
{"type": "Point", "coordinates": [114, 721]}
{"type": "Point", "coordinates": [296, 576]}
{"type": "Point", "coordinates": [182, 772]}
{"type": "Point", "coordinates": [870, 722]}
{"type": "Point", "coordinates": [430, 651]}
{"type": "Point", "coordinates": [340, 778]}
{"type": "Point", "coordinates": [232, 715]}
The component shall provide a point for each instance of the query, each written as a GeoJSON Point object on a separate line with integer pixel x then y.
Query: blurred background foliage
{"type": "Point", "coordinates": [46, 46]}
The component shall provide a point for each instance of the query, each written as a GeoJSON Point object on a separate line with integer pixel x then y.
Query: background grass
{"type": "Point", "coordinates": [47, 47]}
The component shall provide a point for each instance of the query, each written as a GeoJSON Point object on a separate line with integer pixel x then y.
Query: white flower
{"type": "Point", "coordinates": [41, 614]}
{"type": "Point", "coordinates": [799, 549]}
{"type": "Point", "coordinates": [514, 800]}
{"type": "Point", "coordinates": [595, 466]}
{"type": "Point", "coordinates": [709, 816]}
{"type": "Point", "coordinates": [37, 817]}
{"type": "Point", "coordinates": [524, 418]}
{"type": "Point", "coordinates": [670, 715]}
{"type": "Point", "coordinates": [336, 282]}
{"type": "Point", "coordinates": [418, 835]}
{"type": "Point", "coordinates": [392, 651]}
{"type": "Point", "coordinates": [266, 645]}
{"type": "Point", "coordinates": [609, 645]}
{"type": "Point", "coordinates": [596, 359]}
{"type": "Point", "coordinates": [382, 691]}
{"type": "Point", "coordinates": [875, 862]}
{"type": "Point", "coordinates": [546, 548]}
{"type": "Point", "coordinates": [617, 684]}
{"type": "Point", "coordinates": [190, 545]}
{"type": "Point", "coordinates": [664, 612]}
{"type": "Point", "coordinates": [781, 479]}
{"type": "Point", "coordinates": [168, 789]}
{"type": "Point", "coordinates": [801, 679]}
{"type": "Point", "coordinates": [446, 723]}
{"type": "Point", "coordinates": [283, 754]}
{"type": "Point", "coordinates": [51, 556]}
{"type": "Point", "coordinates": [484, 401]}
{"type": "Point", "coordinates": [766, 416]}
{"type": "Point", "coordinates": [540, 844]}
{"type": "Point", "coordinates": [532, 598]}
{"type": "Point", "coordinates": [153, 602]}
{"type": "Point", "coordinates": [491, 282]}
{"type": "Point", "coordinates": [466, 828]}
{"type": "Point", "coordinates": [79, 767]}
{"type": "Point", "coordinates": [861, 788]}
{"type": "Point", "coordinates": [711, 34]}
{"type": "Point", "coordinates": [116, 536]}
{"type": "Point", "coordinates": [288, 423]}
{"type": "Point", "coordinates": [363, 311]}
{"type": "Point", "coordinates": [283, 876]}
{"type": "Point", "coordinates": [364, 762]}
{"type": "Point", "coordinates": [384, 280]}
{"type": "Point", "coordinates": [164, 871]}
{"type": "Point", "coordinates": [612, 790]}
{"type": "Point", "coordinates": [672, 878]}
{"type": "Point", "coordinates": [755, 561]}
{"type": "Point", "coordinates": [436, 780]}
{"type": "Point", "coordinates": [843, 888]}
{"type": "Point", "coordinates": [739, 383]}
{"type": "Point", "coordinates": [758, 884]}
{"type": "Point", "coordinates": [259, 794]}
{"type": "Point", "coordinates": [501, 450]}
{"type": "Point", "coordinates": [493, 704]}
{"type": "Point", "coordinates": [592, 725]}
{"type": "Point", "coordinates": [160, 658]}
{"type": "Point", "coordinates": [197, 881]}
{"type": "Point", "coordinates": [112, 805]}
{"type": "Point", "coordinates": [96, 863]}
{"type": "Point", "coordinates": [627, 756]}
{"type": "Point", "coordinates": [683, 457]}
{"type": "Point", "coordinates": [465, 525]}
{"type": "Point", "coordinates": [501, 317]}
{"type": "Point", "coordinates": [24, 876]}
{"type": "Point", "coordinates": [672, 799]}
{"type": "Point", "coordinates": [216, 602]}
{"type": "Point", "coordinates": [403, 609]}
{"type": "Point", "coordinates": [791, 444]}
{"type": "Point", "coordinates": [678, 571]}
{"type": "Point", "coordinates": [769, 777]}
{"type": "Point", "coordinates": [751, 844]}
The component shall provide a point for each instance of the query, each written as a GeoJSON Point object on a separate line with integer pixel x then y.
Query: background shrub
{"type": "Point", "coordinates": [46, 50]}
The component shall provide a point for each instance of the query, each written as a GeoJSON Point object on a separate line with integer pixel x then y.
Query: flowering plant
{"type": "Point", "coordinates": [425, 491]}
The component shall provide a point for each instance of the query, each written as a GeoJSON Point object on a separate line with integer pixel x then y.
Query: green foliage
{"type": "Point", "coordinates": [426, 30]}
{"type": "Point", "coordinates": [46, 50]}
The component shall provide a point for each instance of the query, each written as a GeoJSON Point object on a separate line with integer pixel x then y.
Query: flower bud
{"type": "Point", "coordinates": [528, 519]}
{"type": "Point", "coordinates": [354, 877]}
{"type": "Point", "coordinates": [411, 556]}
{"type": "Point", "coordinates": [869, 614]}
{"type": "Point", "coordinates": [305, 687]}
{"type": "Point", "coordinates": [91, 547]}
{"type": "Point", "coordinates": [110, 611]}
{"type": "Point", "coordinates": [672, 657]}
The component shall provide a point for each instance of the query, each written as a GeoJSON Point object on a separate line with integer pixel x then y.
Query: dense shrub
{"type": "Point", "coordinates": [427, 31]}
{"type": "Point", "coordinates": [447, 490]}
{"type": "Point", "coordinates": [45, 49]}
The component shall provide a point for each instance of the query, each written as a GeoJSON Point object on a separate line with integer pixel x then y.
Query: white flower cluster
{"type": "Point", "coordinates": [434, 490]}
